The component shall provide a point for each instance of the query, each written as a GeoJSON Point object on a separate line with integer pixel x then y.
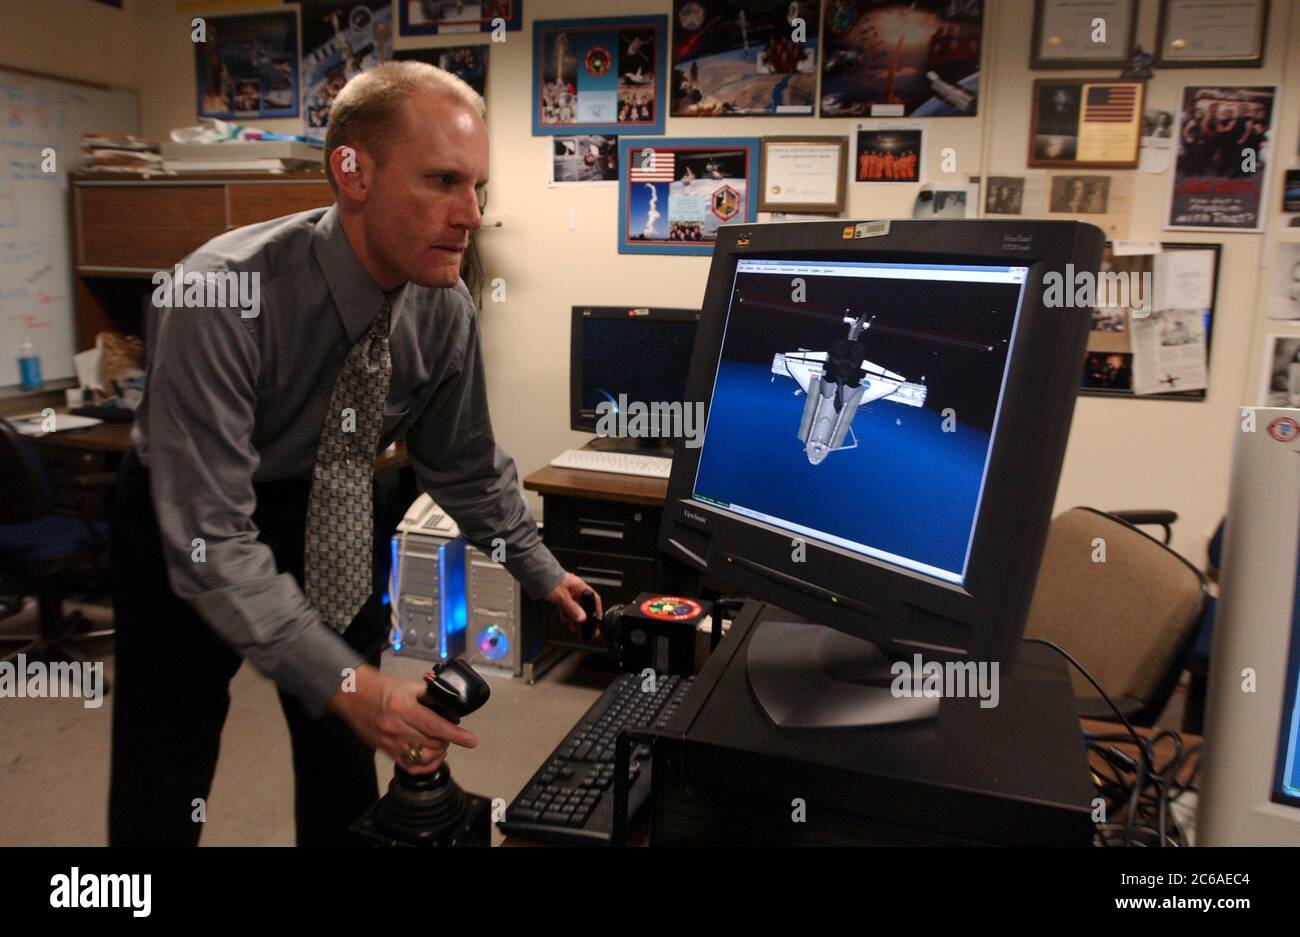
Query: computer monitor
{"type": "Point", "coordinates": [1250, 786]}
{"type": "Point", "coordinates": [887, 406]}
{"type": "Point", "coordinates": [632, 354]}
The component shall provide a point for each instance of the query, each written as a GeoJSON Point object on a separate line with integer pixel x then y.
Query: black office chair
{"type": "Point", "coordinates": [41, 544]}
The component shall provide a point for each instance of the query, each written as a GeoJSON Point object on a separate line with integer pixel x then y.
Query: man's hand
{"type": "Point", "coordinates": [565, 597]}
{"type": "Point", "coordinates": [386, 712]}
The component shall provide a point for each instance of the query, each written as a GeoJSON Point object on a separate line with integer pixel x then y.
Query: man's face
{"type": "Point", "coordinates": [424, 198]}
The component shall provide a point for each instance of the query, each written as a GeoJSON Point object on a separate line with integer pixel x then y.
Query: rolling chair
{"type": "Point", "coordinates": [39, 546]}
{"type": "Point", "coordinates": [1130, 620]}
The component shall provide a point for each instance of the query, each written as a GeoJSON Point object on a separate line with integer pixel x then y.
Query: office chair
{"type": "Point", "coordinates": [1130, 619]}
{"type": "Point", "coordinates": [39, 546]}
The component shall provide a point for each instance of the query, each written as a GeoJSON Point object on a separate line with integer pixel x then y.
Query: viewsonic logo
{"type": "Point", "coordinates": [698, 518]}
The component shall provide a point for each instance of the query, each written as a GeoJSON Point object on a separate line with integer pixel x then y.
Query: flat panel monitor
{"type": "Point", "coordinates": [887, 407]}
{"type": "Point", "coordinates": [621, 355]}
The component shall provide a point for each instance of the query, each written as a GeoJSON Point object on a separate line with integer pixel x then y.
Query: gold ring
{"type": "Point", "coordinates": [411, 754]}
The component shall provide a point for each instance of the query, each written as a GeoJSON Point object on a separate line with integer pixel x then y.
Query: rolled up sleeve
{"type": "Point", "coordinates": [201, 403]}
{"type": "Point", "coordinates": [459, 464]}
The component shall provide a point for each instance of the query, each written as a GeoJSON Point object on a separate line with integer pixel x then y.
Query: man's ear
{"type": "Point", "coordinates": [349, 166]}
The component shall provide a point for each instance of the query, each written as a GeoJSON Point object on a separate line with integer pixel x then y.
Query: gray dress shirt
{"type": "Point", "coordinates": [231, 400]}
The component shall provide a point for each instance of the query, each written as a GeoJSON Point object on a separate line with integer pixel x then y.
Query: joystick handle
{"type": "Point", "coordinates": [453, 690]}
{"type": "Point", "coordinates": [589, 625]}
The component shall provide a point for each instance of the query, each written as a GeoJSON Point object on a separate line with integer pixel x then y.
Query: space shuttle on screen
{"type": "Point", "coordinates": [838, 382]}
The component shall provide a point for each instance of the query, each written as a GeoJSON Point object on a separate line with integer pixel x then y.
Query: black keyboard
{"type": "Point", "coordinates": [570, 798]}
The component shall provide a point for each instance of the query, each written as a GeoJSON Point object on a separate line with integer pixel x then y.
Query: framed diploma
{"type": "Point", "coordinates": [803, 174]}
{"type": "Point", "coordinates": [1083, 33]}
{"type": "Point", "coordinates": [1087, 124]}
{"type": "Point", "coordinates": [1211, 33]}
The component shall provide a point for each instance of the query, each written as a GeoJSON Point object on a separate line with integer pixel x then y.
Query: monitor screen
{"type": "Point", "coordinates": [855, 404]}
{"type": "Point", "coordinates": [1286, 786]}
{"type": "Point", "coordinates": [633, 354]}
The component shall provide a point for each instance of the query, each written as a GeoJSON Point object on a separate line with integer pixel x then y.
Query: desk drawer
{"type": "Point", "coordinates": [602, 527]}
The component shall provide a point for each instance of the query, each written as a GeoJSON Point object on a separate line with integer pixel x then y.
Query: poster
{"type": "Point", "coordinates": [339, 40]}
{"type": "Point", "coordinates": [468, 63]}
{"type": "Point", "coordinates": [674, 194]}
{"type": "Point", "coordinates": [1081, 123]}
{"type": "Point", "coordinates": [247, 66]}
{"type": "Point", "coordinates": [734, 58]}
{"type": "Point", "coordinates": [599, 76]}
{"type": "Point", "coordinates": [428, 17]}
{"type": "Point", "coordinates": [1219, 170]}
{"type": "Point", "coordinates": [888, 58]}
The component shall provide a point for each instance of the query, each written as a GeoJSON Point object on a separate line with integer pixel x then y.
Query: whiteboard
{"type": "Point", "coordinates": [36, 290]}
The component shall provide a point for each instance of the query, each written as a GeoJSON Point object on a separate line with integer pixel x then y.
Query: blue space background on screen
{"type": "Point", "coordinates": [908, 488]}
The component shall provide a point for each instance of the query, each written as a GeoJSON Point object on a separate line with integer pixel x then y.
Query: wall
{"type": "Point", "coordinates": [1122, 453]}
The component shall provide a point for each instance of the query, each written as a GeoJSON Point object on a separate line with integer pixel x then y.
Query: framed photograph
{"type": "Point", "coordinates": [602, 76]}
{"type": "Point", "coordinates": [1281, 384]}
{"type": "Point", "coordinates": [1086, 124]}
{"type": "Point", "coordinates": [1291, 191]}
{"type": "Point", "coordinates": [675, 192]}
{"type": "Point", "coordinates": [739, 58]}
{"type": "Point", "coordinates": [1223, 34]}
{"type": "Point", "coordinates": [1066, 34]}
{"type": "Point", "coordinates": [898, 58]}
{"type": "Point", "coordinates": [339, 41]}
{"type": "Point", "coordinates": [888, 154]}
{"type": "Point", "coordinates": [468, 63]}
{"type": "Point", "coordinates": [441, 17]}
{"type": "Point", "coordinates": [1284, 302]}
{"type": "Point", "coordinates": [247, 66]}
{"type": "Point", "coordinates": [1152, 323]}
{"type": "Point", "coordinates": [805, 174]}
{"type": "Point", "coordinates": [1220, 175]}
{"type": "Point", "coordinates": [585, 159]}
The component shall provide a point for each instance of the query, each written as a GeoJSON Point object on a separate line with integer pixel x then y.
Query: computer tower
{"type": "Point", "coordinates": [427, 589]}
{"type": "Point", "coordinates": [501, 633]}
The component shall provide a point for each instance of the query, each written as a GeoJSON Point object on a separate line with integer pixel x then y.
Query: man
{"type": "Point", "coordinates": [243, 524]}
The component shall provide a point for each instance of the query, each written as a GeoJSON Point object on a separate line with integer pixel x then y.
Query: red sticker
{"type": "Point", "coordinates": [1284, 429]}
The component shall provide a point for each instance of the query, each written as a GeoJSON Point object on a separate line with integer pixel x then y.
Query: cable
{"type": "Point", "coordinates": [1144, 789]}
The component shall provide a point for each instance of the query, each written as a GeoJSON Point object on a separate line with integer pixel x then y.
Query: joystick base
{"type": "Point", "coordinates": [474, 829]}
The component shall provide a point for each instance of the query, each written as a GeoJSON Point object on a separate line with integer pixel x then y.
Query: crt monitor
{"type": "Point", "coordinates": [886, 412]}
{"type": "Point", "coordinates": [621, 353]}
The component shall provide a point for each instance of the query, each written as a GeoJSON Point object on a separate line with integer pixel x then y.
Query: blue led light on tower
{"type": "Point", "coordinates": [427, 590]}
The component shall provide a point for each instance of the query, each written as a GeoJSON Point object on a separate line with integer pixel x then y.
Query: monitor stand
{"type": "Point", "coordinates": [632, 445]}
{"type": "Point", "coordinates": [809, 676]}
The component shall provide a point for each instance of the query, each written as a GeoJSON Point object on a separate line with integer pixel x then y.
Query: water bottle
{"type": "Point", "coordinates": [29, 366]}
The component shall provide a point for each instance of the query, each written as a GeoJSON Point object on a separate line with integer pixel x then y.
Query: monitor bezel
{"type": "Point", "coordinates": [577, 363]}
{"type": "Point", "coordinates": [984, 618]}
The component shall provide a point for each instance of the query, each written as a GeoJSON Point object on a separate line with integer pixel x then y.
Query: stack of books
{"type": "Point", "coordinates": [119, 152]}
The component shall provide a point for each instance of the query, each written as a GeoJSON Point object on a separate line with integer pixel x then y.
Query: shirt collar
{"type": "Point", "coordinates": [357, 297]}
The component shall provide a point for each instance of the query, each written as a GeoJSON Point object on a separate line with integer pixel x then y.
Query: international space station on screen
{"type": "Point", "coordinates": [838, 383]}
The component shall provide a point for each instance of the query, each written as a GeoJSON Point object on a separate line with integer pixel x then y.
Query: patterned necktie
{"type": "Point", "coordinates": [338, 557]}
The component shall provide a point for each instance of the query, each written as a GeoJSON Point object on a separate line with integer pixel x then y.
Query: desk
{"type": "Point", "coordinates": [604, 527]}
{"type": "Point", "coordinates": [100, 448]}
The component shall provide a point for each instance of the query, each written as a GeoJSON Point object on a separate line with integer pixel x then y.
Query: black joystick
{"type": "Point", "coordinates": [591, 623]}
{"type": "Point", "coordinates": [431, 809]}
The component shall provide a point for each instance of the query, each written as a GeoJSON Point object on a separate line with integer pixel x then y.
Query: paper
{"type": "Point", "coordinates": [1169, 352]}
{"type": "Point", "coordinates": [1131, 248]}
{"type": "Point", "coordinates": [35, 425]}
{"type": "Point", "coordinates": [86, 364]}
{"type": "Point", "coordinates": [1183, 280]}
{"type": "Point", "coordinates": [945, 201]}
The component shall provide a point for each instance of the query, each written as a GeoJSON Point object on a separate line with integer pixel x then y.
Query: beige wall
{"type": "Point", "coordinates": [1123, 453]}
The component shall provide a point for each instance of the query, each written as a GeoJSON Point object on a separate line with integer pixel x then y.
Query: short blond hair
{"type": "Point", "coordinates": [368, 111]}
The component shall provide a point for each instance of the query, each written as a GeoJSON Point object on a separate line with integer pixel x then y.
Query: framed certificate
{"type": "Point", "coordinates": [1075, 34]}
{"type": "Point", "coordinates": [803, 174]}
{"type": "Point", "coordinates": [1092, 124]}
{"type": "Point", "coordinates": [1211, 33]}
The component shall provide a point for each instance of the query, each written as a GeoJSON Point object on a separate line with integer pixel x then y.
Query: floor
{"type": "Point", "coordinates": [54, 753]}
